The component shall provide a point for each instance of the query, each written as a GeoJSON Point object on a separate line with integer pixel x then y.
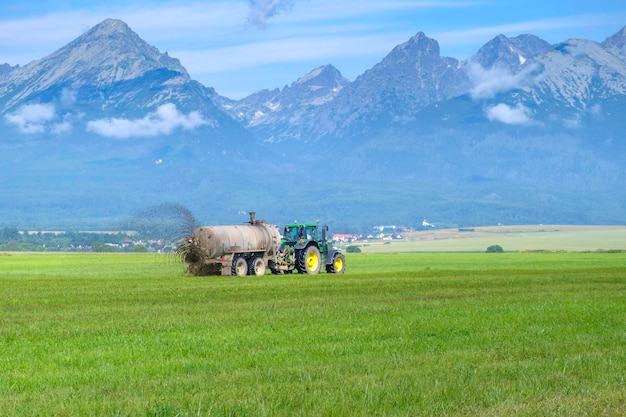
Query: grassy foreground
{"type": "Point", "coordinates": [397, 335]}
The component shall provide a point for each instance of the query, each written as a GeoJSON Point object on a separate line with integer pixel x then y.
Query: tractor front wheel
{"type": "Point", "coordinates": [310, 261]}
{"type": "Point", "coordinates": [338, 265]}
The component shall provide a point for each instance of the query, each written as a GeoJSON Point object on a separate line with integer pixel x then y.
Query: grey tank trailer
{"type": "Point", "coordinates": [252, 248]}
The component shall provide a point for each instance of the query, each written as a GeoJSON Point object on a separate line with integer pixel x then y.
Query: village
{"type": "Point", "coordinates": [386, 233]}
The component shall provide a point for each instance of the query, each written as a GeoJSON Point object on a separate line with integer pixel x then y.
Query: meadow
{"type": "Point", "coordinates": [512, 238]}
{"type": "Point", "coordinates": [421, 334]}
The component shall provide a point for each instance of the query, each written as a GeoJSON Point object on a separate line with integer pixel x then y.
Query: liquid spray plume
{"type": "Point", "coordinates": [169, 222]}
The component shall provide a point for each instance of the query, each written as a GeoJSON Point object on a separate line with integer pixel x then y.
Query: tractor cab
{"type": "Point", "coordinates": [299, 235]}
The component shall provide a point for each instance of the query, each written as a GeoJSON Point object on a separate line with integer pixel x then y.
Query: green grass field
{"type": "Point", "coordinates": [522, 334]}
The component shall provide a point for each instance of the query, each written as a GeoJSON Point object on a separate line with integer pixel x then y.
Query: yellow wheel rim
{"type": "Point", "coordinates": [312, 261]}
{"type": "Point", "coordinates": [338, 264]}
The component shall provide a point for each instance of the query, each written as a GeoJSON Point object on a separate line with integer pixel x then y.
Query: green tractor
{"type": "Point", "coordinates": [311, 248]}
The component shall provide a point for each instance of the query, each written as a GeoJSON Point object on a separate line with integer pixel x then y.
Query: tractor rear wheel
{"type": "Point", "coordinates": [310, 261]}
{"type": "Point", "coordinates": [240, 266]}
{"type": "Point", "coordinates": [256, 266]}
{"type": "Point", "coordinates": [338, 265]}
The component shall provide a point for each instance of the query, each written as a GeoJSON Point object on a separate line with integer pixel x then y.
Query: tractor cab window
{"type": "Point", "coordinates": [295, 233]}
{"type": "Point", "coordinates": [291, 233]}
{"type": "Point", "coordinates": [311, 233]}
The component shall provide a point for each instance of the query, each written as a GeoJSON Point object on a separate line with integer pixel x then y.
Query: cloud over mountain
{"type": "Point", "coordinates": [511, 115]}
{"type": "Point", "coordinates": [487, 83]}
{"type": "Point", "coordinates": [163, 121]}
{"type": "Point", "coordinates": [31, 118]}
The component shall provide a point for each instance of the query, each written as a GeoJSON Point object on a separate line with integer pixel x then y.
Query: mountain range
{"type": "Point", "coordinates": [521, 132]}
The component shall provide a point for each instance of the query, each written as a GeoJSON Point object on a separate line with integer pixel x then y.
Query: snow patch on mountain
{"type": "Point", "coordinates": [579, 72]}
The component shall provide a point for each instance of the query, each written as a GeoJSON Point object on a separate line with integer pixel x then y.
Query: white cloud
{"type": "Point", "coordinates": [262, 10]}
{"type": "Point", "coordinates": [504, 113]}
{"type": "Point", "coordinates": [163, 121]}
{"type": "Point", "coordinates": [39, 118]}
{"type": "Point", "coordinates": [32, 118]}
{"type": "Point", "coordinates": [488, 83]}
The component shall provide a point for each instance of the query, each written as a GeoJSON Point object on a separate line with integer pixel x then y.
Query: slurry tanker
{"type": "Point", "coordinates": [253, 247]}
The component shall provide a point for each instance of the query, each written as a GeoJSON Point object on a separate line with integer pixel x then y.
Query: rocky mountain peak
{"type": "Point", "coordinates": [279, 108]}
{"type": "Point", "coordinates": [510, 53]}
{"type": "Point", "coordinates": [108, 53]}
{"type": "Point", "coordinates": [116, 52]}
{"type": "Point", "coordinates": [6, 68]}
{"type": "Point", "coordinates": [617, 41]}
{"type": "Point", "coordinates": [317, 87]}
{"type": "Point", "coordinates": [109, 27]}
{"type": "Point", "coordinates": [325, 76]}
{"type": "Point", "coordinates": [416, 69]}
{"type": "Point", "coordinates": [419, 45]}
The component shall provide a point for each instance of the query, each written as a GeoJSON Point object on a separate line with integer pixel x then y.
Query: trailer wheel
{"type": "Point", "coordinates": [256, 266]}
{"type": "Point", "coordinates": [240, 266]}
{"type": "Point", "coordinates": [338, 265]}
{"type": "Point", "coordinates": [310, 261]}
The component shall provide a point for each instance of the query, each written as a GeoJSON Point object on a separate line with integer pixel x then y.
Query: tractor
{"type": "Point", "coordinates": [309, 244]}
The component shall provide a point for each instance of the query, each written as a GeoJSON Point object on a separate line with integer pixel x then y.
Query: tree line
{"type": "Point", "coordinates": [14, 240]}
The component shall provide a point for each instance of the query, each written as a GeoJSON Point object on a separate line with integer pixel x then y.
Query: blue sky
{"type": "Point", "coordinates": [240, 46]}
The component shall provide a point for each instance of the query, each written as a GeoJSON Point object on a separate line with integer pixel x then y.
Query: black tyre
{"type": "Point", "coordinates": [338, 266]}
{"type": "Point", "coordinates": [240, 267]}
{"type": "Point", "coordinates": [274, 269]}
{"type": "Point", "coordinates": [310, 261]}
{"type": "Point", "coordinates": [256, 266]}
